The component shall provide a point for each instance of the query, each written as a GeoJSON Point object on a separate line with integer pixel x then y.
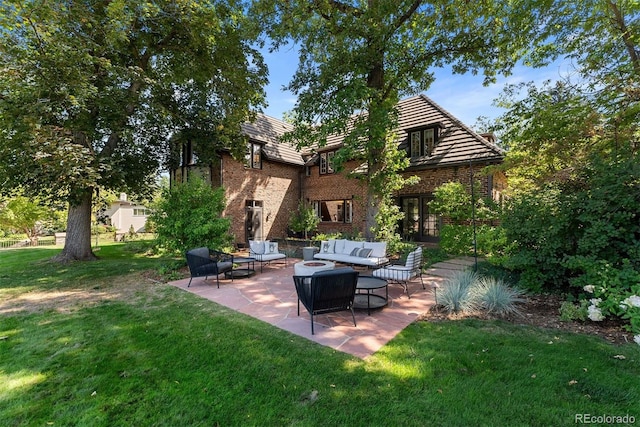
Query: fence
{"type": "Point", "coordinates": [23, 243]}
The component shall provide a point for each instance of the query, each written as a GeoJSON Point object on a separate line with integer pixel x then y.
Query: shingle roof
{"type": "Point", "coordinates": [457, 143]}
{"type": "Point", "coordinates": [267, 131]}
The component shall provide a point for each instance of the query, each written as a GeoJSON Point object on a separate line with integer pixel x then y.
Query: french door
{"type": "Point", "coordinates": [418, 223]}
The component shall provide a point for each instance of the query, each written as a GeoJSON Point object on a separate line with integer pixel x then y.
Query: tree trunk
{"type": "Point", "coordinates": [77, 246]}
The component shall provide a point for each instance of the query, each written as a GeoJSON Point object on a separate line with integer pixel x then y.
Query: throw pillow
{"type": "Point", "coordinates": [364, 252]}
{"type": "Point", "coordinates": [270, 247]}
{"type": "Point", "coordinates": [257, 247]}
{"type": "Point", "coordinates": [326, 247]}
{"type": "Point", "coordinates": [354, 252]}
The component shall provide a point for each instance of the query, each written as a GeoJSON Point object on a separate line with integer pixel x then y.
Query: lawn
{"type": "Point", "coordinates": [105, 343]}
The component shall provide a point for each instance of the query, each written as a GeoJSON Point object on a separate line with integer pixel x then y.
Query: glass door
{"type": "Point", "coordinates": [418, 223]}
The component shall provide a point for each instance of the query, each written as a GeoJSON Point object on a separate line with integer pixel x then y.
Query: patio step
{"type": "Point", "coordinates": [448, 268]}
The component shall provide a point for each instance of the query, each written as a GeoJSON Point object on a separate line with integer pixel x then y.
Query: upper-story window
{"type": "Point", "coordinates": [326, 162]}
{"type": "Point", "coordinates": [139, 212]}
{"type": "Point", "coordinates": [253, 156]}
{"type": "Point", "coordinates": [422, 142]}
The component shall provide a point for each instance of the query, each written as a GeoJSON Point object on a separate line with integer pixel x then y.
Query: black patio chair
{"type": "Point", "coordinates": [204, 262]}
{"type": "Point", "coordinates": [327, 291]}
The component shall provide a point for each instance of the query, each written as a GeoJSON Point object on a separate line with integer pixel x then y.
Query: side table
{"type": "Point", "coordinates": [365, 296]}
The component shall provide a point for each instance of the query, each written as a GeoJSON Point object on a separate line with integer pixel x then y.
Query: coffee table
{"type": "Point", "coordinates": [241, 272]}
{"type": "Point", "coordinates": [365, 296]}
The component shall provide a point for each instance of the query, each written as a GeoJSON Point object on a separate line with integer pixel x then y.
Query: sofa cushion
{"type": "Point", "coordinates": [378, 249]}
{"type": "Point", "coordinates": [338, 246]}
{"type": "Point", "coordinates": [327, 246]}
{"type": "Point", "coordinates": [256, 246]}
{"type": "Point", "coordinates": [350, 245]}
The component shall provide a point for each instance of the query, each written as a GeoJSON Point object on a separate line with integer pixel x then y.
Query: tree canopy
{"type": "Point", "coordinates": [357, 58]}
{"type": "Point", "coordinates": [91, 92]}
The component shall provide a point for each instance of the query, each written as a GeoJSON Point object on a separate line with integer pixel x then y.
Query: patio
{"type": "Point", "coordinates": [270, 296]}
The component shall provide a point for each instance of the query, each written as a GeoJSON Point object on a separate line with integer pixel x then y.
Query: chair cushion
{"type": "Point", "coordinates": [394, 272]}
{"type": "Point", "coordinates": [256, 246]}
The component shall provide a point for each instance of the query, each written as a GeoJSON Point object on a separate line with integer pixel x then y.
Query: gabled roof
{"type": "Point", "coordinates": [267, 131]}
{"type": "Point", "coordinates": [456, 144]}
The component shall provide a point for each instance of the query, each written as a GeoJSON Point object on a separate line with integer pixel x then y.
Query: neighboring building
{"type": "Point", "coordinates": [262, 191]}
{"type": "Point", "coordinates": [125, 214]}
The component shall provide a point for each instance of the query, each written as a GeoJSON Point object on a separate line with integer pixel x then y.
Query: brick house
{"type": "Point", "coordinates": [263, 190]}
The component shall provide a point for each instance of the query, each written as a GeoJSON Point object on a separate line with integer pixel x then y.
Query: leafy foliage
{"type": "Point", "coordinates": [92, 91]}
{"type": "Point", "coordinates": [25, 216]}
{"type": "Point", "coordinates": [189, 216]}
{"type": "Point", "coordinates": [304, 219]}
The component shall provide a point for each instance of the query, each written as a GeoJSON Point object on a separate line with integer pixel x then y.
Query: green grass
{"type": "Point", "coordinates": [125, 350]}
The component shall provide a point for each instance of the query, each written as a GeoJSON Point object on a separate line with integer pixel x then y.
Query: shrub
{"type": "Point", "coordinates": [456, 292]}
{"type": "Point", "coordinates": [458, 240]}
{"type": "Point", "coordinates": [189, 215]}
{"type": "Point", "coordinates": [494, 296]}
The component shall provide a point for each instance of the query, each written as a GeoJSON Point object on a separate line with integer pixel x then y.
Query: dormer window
{"type": "Point", "coordinates": [326, 162]}
{"type": "Point", "coordinates": [422, 142]}
{"type": "Point", "coordinates": [253, 156]}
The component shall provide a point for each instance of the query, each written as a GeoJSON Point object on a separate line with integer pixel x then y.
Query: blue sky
{"type": "Point", "coordinates": [464, 96]}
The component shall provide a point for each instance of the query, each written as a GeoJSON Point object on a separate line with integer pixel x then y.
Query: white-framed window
{"type": "Point", "coordinates": [415, 144]}
{"type": "Point", "coordinates": [327, 163]}
{"type": "Point", "coordinates": [253, 156]}
{"type": "Point", "coordinates": [334, 210]}
{"type": "Point", "coordinates": [139, 212]}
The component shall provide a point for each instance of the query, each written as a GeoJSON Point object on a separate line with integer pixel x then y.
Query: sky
{"type": "Point", "coordinates": [464, 96]}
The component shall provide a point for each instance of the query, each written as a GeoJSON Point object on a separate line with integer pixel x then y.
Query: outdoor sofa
{"type": "Point", "coordinates": [353, 252]}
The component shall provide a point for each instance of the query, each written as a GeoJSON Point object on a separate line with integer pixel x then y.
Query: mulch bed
{"type": "Point", "coordinates": [544, 311]}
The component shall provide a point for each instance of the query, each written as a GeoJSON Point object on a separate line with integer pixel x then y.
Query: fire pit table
{"type": "Point", "coordinates": [307, 268]}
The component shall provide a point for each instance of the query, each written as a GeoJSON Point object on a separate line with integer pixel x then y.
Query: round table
{"type": "Point", "coordinates": [307, 268]}
{"type": "Point", "coordinates": [365, 296]}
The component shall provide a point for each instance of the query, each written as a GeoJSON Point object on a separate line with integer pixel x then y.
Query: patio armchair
{"type": "Point", "coordinates": [327, 291]}
{"type": "Point", "coordinates": [403, 273]}
{"type": "Point", "coordinates": [265, 252]}
{"type": "Point", "coordinates": [205, 262]}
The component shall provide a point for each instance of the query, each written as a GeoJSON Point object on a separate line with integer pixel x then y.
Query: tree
{"type": "Point", "coordinates": [554, 131]}
{"type": "Point", "coordinates": [26, 216]}
{"type": "Point", "coordinates": [360, 57]}
{"type": "Point", "coordinates": [189, 215]}
{"type": "Point", "coordinates": [91, 91]}
{"type": "Point", "coordinates": [304, 219]}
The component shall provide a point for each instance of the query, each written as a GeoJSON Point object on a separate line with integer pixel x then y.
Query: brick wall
{"type": "Point", "coordinates": [336, 186]}
{"type": "Point", "coordinates": [277, 185]}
